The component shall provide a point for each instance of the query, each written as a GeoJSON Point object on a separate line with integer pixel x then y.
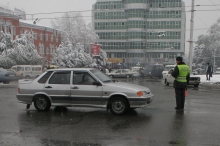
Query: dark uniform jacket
{"type": "Point", "coordinates": [175, 74]}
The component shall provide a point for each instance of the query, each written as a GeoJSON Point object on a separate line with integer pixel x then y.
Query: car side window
{"type": "Point", "coordinates": [60, 78]}
{"type": "Point", "coordinates": [82, 78]}
{"type": "Point", "coordinates": [27, 69]}
{"type": "Point", "coordinates": [45, 78]}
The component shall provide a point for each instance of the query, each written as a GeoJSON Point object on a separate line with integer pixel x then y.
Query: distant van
{"type": "Point", "coordinates": [29, 71]}
{"type": "Point", "coordinates": [153, 70]}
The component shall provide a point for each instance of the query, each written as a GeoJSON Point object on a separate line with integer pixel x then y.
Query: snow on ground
{"type": "Point", "coordinates": [214, 80]}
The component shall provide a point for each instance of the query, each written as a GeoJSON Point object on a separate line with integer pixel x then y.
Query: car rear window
{"type": "Point", "coordinates": [45, 77]}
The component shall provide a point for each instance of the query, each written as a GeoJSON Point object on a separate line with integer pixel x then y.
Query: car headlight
{"type": "Point", "coordinates": [140, 93]}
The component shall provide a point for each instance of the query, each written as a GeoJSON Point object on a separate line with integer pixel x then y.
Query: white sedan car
{"type": "Point", "coordinates": [85, 87]}
{"type": "Point", "coordinates": [169, 79]}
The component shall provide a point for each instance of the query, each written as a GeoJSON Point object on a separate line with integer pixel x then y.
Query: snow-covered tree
{"type": "Point", "coordinates": [209, 45]}
{"type": "Point", "coordinates": [69, 56]}
{"type": "Point", "coordinates": [19, 51]}
{"type": "Point", "coordinates": [73, 27]}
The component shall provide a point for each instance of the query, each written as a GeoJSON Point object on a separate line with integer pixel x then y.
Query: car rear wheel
{"type": "Point", "coordinates": [6, 82]}
{"type": "Point", "coordinates": [127, 76]}
{"type": "Point", "coordinates": [111, 76]}
{"type": "Point", "coordinates": [118, 106]}
{"type": "Point", "coordinates": [42, 103]}
{"type": "Point", "coordinates": [27, 77]}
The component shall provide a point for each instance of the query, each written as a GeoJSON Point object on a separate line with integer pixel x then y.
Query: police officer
{"type": "Point", "coordinates": [181, 74]}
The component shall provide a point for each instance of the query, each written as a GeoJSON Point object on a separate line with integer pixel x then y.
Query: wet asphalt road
{"type": "Point", "coordinates": [156, 125]}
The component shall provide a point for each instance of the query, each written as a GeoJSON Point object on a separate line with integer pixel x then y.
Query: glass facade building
{"type": "Point", "coordinates": [141, 31]}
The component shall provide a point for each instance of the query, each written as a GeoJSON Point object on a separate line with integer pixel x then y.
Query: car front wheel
{"type": "Point", "coordinates": [118, 106]}
{"type": "Point", "coordinates": [127, 76]}
{"type": "Point", "coordinates": [42, 103]}
{"type": "Point", "coordinates": [197, 85]}
{"type": "Point", "coordinates": [166, 83]}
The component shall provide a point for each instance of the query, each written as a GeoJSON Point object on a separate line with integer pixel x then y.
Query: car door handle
{"type": "Point", "coordinates": [75, 87]}
{"type": "Point", "coordinates": [48, 87]}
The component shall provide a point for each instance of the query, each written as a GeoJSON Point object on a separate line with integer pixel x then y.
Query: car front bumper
{"type": "Point", "coordinates": [138, 102]}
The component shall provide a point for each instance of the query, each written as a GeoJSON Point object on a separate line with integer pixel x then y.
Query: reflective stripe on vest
{"type": "Point", "coordinates": [183, 72]}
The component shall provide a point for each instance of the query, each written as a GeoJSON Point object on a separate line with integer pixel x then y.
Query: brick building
{"type": "Point", "coordinates": [46, 39]}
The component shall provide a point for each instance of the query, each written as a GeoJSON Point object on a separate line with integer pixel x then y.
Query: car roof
{"type": "Point", "coordinates": [67, 69]}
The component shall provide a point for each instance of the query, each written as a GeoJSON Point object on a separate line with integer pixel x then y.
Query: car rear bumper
{"type": "Point", "coordinates": [24, 98]}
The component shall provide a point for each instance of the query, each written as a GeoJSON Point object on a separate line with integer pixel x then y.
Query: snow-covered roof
{"type": "Point", "coordinates": [27, 23]}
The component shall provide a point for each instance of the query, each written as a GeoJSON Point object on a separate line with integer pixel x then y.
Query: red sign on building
{"type": "Point", "coordinates": [95, 49]}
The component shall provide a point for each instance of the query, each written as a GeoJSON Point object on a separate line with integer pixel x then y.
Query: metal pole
{"type": "Point", "coordinates": [214, 62]}
{"type": "Point", "coordinates": [191, 36]}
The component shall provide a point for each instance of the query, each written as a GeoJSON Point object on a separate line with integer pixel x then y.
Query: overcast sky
{"type": "Point", "coordinates": [203, 19]}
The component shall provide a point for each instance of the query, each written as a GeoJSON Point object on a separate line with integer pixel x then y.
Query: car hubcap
{"type": "Point", "coordinates": [41, 103]}
{"type": "Point", "coordinates": [118, 106]}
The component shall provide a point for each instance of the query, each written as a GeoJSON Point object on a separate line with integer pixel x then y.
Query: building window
{"type": "Point", "coordinates": [114, 6]}
{"type": "Point", "coordinates": [41, 37]}
{"type": "Point", "coordinates": [151, 5]}
{"type": "Point", "coordinates": [14, 30]}
{"type": "Point", "coordinates": [51, 38]}
{"type": "Point", "coordinates": [159, 5]}
{"type": "Point", "coordinates": [123, 23]}
{"type": "Point", "coordinates": [46, 37]}
{"type": "Point", "coordinates": [168, 22]}
{"type": "Point", "coordinates": [168, 12]}
{"type": "Point", "coordinates": [106, 24]}
{"type": "Point", "coordinates": [106, 6]}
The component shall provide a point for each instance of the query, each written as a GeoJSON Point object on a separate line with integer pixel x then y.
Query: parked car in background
{"type": "Point", "coordinates": [169, 79]}
{"type": "Point", "coordinates": [85, 87]}
{"type": "Point", "coordinates": [19, 75]}
{"type": "Point", "coordinates": [217, 70]}
{"type": "Point", "coordinates": [7, 76]}
{"type": "Point", "coordinates": [194, 72]}
{"type": "Point", "coordinates": [120, 73]}
{"type": "Point", "coordinates": [29, 71]}
{"type": "Point", "coordinates": [167, 68]}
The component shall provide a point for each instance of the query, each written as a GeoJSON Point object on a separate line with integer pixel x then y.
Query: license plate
{"type": "Point", "coordinates": [11, 75]}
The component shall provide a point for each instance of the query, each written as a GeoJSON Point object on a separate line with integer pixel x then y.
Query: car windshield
{"type": "Point", "coordinates": [101, 76]}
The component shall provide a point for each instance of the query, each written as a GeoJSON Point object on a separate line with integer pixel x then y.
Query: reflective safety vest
{"type": "Point", "coordinates": [183, 72]}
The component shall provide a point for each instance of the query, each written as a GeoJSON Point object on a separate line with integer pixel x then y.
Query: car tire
{"type": "Point", "coordinates": [118, 105]}
{"type": "Point", "coordinates": [27, 77]}
{"type": "Point", "coordinates": [127, 76]}
{"type": "Point", "coordinates": [42, 103]}
{"type": "Point", "coordinates": [6, 82]}
{"type": "Point", "coordinates": [166, 83]}
{"type": "Point", "coordinates": [111, 76]}
{"type": "Point", "coordinates": [197, 85]}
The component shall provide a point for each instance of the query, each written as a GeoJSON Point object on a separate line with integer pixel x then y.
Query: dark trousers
{"type": "Point", "coordinates": [208, 75]}
{"type": "Point", "coordinates": [180, 97]}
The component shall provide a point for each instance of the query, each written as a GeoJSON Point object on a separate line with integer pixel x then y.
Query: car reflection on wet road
{"type": "Point", "coordinates": [156, 125]}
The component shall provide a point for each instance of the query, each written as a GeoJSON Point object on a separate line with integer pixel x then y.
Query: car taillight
{"type": "Point", "coordinates": [19, 90]}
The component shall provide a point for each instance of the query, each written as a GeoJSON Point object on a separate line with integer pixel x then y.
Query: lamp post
{"type": "Point", "coordinates": [191, 36]}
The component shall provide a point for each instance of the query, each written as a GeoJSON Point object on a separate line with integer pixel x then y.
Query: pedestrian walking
{"type": "Point", "coordinates": [181, 74]}
{"type": "Point", "coordinates": [211, 69]}
{"type": "Point", "coordinates": [208, 72]}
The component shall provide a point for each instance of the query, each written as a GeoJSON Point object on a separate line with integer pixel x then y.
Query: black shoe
{"type": "Point", "coordinates": [177, 108]}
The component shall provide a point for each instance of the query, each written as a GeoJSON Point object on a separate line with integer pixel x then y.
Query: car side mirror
{"type": "Point", "coordinates": [97, 83]}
